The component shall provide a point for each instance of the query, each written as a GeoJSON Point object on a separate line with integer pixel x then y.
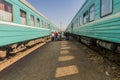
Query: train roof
{"type": "Point", "coordinates": [78, 11]}
{"type": "Point", "coordinates": [33, 8]}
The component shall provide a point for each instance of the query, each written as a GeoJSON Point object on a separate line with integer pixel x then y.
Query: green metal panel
{"type": "Point", "coordinates": [16, 13]}
{"type": "Point", "coordinates": [12, 34]}
{"type": "Point", "coordinates": [17, 5]}
{"type": "Point", "coordinates": [105, 28]}
{"type": "Point", "coordinates": [116, 6]}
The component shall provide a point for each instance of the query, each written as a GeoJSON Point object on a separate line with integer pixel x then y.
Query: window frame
{"type": "Point", "coordinates": [80, 20]}
{"type": "Point", "coordinates": [37, 22]}
{"type": "Point", "coordinates": [45, 24]}
{"type": "Point", "coordinates": [101, 9]}
{"type": "Point", "coordinates": [24, 12]}
{"type": "Point", "coordinates": [48, 25]}
{"type": "Point", "coordinates": [33, 20]}
{"type": "Point", "coordinates": [42, 23]}
{"type": "Point", "coordinates": [5, 2]}
{"type": "Point", "coordinates": [77, 22]}
{"type": "Point", "coordinates": [86, 14]}
{"type": "Point", "coordinates": [72, 26]}
{"type": "Point", "coordinates": [93, 5]}
{"type": "Point", "coordinates": [25, 15]}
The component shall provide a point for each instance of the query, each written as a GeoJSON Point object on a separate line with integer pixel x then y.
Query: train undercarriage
{"type": "Point", "coordinates": [13, 49]}
{"type": "Point", "coordinates": [96, 42]}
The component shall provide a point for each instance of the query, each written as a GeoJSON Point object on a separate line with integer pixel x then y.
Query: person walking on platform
{"type": "Point", "coordinates": [55, 35]}
{"type": "Point", "coordinates": [52, 37]}
{"type": "Point", "coordinates": [59, 36]}
{"type": "Point", "coordinates": [62, 35]}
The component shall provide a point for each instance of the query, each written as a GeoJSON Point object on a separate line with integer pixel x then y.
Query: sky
{"type": "Point", "coordinates": [60, 12]}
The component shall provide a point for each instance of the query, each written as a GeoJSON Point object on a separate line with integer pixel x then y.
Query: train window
{"type": "Point", "coordinates": [42, 23]}
{"type": "Point", "coordinates": [5, 11]}
{"type": "Point", "coordinates": [85, 17]}
{"type": "Point", "coordinates": [80, 20]}
{"type": "Point", "coordinates": [76, 22]}
{"type": "Point", "coordinates": [72, 25]}
{"type": "Point", "coordinates": [92, 12]}
{"type": "Point", "coordinates": [106, 7]}
{"type": "Point", "coordinates": [38, 22]}
{"type": "Point", "coordinates": [48, 26]}
{"type": "Point", "coordinates": [23, 17]}
{"type": "Point", "coordinates": [32, 20]}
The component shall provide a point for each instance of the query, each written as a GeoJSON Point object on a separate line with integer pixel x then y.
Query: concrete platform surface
{"type": "Point", "coordinates": [58, 60]}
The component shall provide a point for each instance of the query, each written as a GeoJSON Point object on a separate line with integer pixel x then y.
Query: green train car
{"type": "Point", "coordinates": [21, 26]}
{"type": "Point", "coordinates": [98, 22]}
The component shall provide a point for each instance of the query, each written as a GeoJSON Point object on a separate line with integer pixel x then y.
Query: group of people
{"type": "Point", "coordinates": [59, 36]}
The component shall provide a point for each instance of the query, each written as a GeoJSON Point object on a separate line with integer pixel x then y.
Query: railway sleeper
{"type": "Point", "coordinates": [107, 45]}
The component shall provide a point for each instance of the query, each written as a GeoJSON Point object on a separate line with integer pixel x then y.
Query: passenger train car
{"type": "Point", "coordinates": [97, 22]}
{"type": "Point", "coordinates": [21, 26]}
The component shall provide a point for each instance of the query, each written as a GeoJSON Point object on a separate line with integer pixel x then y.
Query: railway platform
{"type": "Point", "coordinates": [57, 60]}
